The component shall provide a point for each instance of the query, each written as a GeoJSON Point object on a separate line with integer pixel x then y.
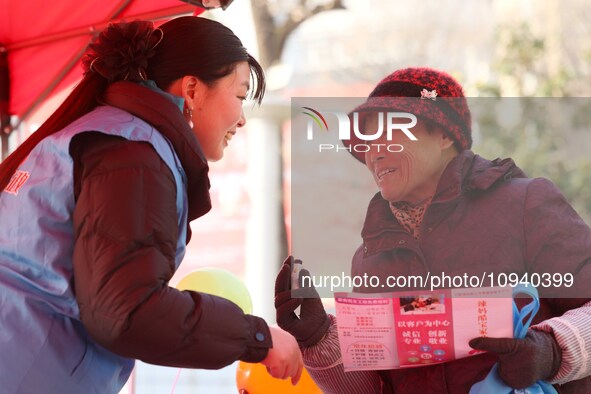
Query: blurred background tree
{"type": "Point", "coordinates": [528, 114]}
{"type": "Point", "coordinates": [274, 22]}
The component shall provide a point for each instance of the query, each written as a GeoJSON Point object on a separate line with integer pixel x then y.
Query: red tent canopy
{"type": "Point", "coordinates": [42, 42]}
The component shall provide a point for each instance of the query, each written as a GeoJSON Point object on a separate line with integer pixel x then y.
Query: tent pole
{"type": "Point", "coordinates": [5, 127]}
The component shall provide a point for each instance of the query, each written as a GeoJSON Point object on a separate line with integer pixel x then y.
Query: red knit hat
{"type": "Point", "coordinates": [428, 94]}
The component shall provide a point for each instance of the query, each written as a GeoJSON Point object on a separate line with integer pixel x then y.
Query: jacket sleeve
{"type": "Point", "coordinates": [324, 363]}
{"type": "Point", "coordinates": [125, 225]}
{"type": "Point", "coordinates": [559, 242]}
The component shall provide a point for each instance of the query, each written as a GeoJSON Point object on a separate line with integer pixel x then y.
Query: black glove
{"type": "Point", "coordinates": [522, 362]}
{"type": "Point", "coordinates": [313, 322]}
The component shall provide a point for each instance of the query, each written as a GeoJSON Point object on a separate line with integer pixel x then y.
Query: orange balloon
{"type": "Point", "coordinates": [254, 379]}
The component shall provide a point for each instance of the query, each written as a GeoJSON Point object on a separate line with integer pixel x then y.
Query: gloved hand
{"type": "Point", "coordinates": [313, 322]}
{"type": "Point", "coordinates": [522, 362]}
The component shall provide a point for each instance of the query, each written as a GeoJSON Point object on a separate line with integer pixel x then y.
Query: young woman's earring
{"type": "Point", "coordinates": [189, 116]}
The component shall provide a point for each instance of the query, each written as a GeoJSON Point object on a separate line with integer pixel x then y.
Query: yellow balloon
{"type": "Point", "coordinates": [254, 379]}
{"type": "Point", "coordinates": [219, 282]}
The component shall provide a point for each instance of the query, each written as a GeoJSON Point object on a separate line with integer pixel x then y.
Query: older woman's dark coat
{"type": "Point", "coordinates": [486, 216]}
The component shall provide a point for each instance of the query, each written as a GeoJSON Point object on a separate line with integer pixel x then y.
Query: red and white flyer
{"type": "Point", "coordinates": [412, 329]}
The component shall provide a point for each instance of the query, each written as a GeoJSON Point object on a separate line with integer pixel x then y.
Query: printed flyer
{"type": "Point", "coordinates": [411, 329]}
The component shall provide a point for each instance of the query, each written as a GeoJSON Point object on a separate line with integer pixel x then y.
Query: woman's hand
{"type": "Point", "coordinates": [522, 362]}
{"type": "Point", "coordinates": [284, 359]}
{"type": "Point", "coordinates": [313, 322]}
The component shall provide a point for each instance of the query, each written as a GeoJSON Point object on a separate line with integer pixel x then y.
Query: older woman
{"type": "Point", "coordinates": [441, 208]}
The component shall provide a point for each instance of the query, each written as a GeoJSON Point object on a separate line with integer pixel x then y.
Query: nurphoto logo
{"type": "Point", "coordinates": [388, 124]}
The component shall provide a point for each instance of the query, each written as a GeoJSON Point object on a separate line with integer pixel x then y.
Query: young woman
{"type": "Point", "coordinates": [95, 210]}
